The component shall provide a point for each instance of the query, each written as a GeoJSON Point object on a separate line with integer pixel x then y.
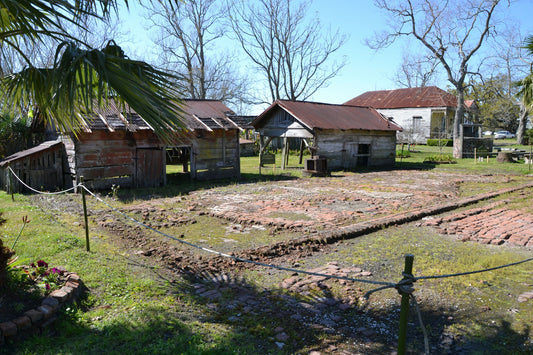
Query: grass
{"type": "Point", "coordinates": [135, 306]}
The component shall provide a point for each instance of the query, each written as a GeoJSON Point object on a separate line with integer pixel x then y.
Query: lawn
{"type": "Point", "coordinates": [136, 305]}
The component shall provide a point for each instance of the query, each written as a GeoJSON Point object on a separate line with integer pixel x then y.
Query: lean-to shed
{"type": "Point", "coordinates": [347, 136]}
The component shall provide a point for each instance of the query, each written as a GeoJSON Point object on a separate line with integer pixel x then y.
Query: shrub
{"type": "Point", "coordinates": [440, 158]}
{"type": "Point", "coordinates": [440, 142]}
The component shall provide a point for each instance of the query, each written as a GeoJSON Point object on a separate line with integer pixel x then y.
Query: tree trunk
{"type": "Point", "coordinates": [457, 120]}
{"type": "Point", "coordinates": [522, 123]}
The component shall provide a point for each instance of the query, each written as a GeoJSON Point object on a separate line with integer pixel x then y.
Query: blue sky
{"type": "Point", "coordinates": [366, 69]}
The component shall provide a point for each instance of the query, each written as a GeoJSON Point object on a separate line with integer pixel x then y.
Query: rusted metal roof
{"type": "Point", "coordinates": [429, 96]}
{"type": "Point", "coordinates": [317, 115]}
{"type": "Point", "coordinates": [197, 114]}
{"type": "Point", "coordinates": [29, 152]}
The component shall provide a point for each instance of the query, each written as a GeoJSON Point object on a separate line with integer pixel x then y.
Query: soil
{"type": "Point", "coordinates": [307, 210]}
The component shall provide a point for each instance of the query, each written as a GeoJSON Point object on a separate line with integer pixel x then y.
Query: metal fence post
{"type": "Point", "coordinates": [404, 311]}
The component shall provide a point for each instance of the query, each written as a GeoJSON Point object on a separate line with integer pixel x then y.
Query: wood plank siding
{"type": "Point", "coordinates": [355, 148]}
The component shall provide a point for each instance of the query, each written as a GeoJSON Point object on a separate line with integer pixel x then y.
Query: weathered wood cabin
{"type": "Point", "coordinates": [347, 136]}
{"type": "Point", "coordinates": [116, 147]}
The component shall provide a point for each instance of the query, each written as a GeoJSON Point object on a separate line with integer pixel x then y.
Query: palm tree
{"type": "Point", "coordinates": [80, 76]}
{"type": "Point", "coordinates": [526, 84]}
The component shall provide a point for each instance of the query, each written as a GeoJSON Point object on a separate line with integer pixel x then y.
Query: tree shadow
{"type": "Point", "coordinates": [272, 320]}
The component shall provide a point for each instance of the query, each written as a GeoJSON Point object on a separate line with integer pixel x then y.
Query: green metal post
{"type": "Point", "coordinates": [404, 311]}
{"type": "Point", "coordinates": [87, 245]}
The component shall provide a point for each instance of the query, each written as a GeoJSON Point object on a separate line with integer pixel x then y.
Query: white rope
{"type": "Point", "coordinates": [40, 192]}
{"type": "Point", "coordinates": [235, 257]}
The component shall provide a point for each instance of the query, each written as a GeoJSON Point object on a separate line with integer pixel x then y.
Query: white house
{"type": "Point", "coordinates": [423, 113]}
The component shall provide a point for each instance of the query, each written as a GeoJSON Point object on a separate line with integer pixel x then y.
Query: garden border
{"type": "Point", "coordinates": [35, 320]}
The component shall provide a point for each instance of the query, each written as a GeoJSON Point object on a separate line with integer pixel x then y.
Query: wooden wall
{"type": "Point", "coordinates": [42, 170]}
{"type": "Point", "coordinates": [344, 149]}
{"type": "Point", "coordinates": [127, 159]}
{"type": "Point", "coordinates": [216, 155]}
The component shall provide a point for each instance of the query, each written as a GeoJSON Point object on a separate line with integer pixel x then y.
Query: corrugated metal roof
{"type": "Point", "coordinates": [29, 152]}
{"type": "Point", "coordinates": [330, 116]}
{"type": "Point", "coordinates": [429, 96]}
{"type": "Point", "coordinates": [197, 114]}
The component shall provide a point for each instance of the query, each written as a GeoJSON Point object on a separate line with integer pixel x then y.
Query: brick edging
{"type": "Point", "coordinates": [34, 320]}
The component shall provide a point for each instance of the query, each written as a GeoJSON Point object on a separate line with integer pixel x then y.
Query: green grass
{"type": "Point", "coordinates": [134, 306]}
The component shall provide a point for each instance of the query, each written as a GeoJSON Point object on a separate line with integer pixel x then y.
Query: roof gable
{"type": "Point", "coordinates": [316, 115]}
{"type": "Point", "coordinates": [429, 96]}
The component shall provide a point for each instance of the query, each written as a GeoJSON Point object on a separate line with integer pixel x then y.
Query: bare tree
{"type": "Point", "coordinates": [187, 32]}
{"type": "Point", "coordinates": [416, 71]}
{"type": "Point", "coordinates": [452, 31]}
{"type": "Point", "coordinates": [291, 51]}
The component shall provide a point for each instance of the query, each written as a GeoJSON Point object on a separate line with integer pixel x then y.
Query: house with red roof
{"type": "Point", "coordinates": [346, 136]}
{"type": "Point", "coordinates": [423, 112]}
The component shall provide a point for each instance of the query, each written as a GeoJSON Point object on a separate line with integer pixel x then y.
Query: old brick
{"type": "Point", "coordinates": [47, 311]}
{"type": "Point", "coordinates": [73, 277]}
{"type": "Point", "coordinates": [59, 295]}
{"type": "Point", "coordinates": [51, 301]}
{"type": "Point", "coordinates": [34, 315]}
{"type": "Point", "coordinates": [22, 323]}
{"type": "Point", "coordinates": [8, 329]}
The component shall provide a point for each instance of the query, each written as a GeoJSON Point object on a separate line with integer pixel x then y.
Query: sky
{"type": "Point", "coordinates": [366, 69]}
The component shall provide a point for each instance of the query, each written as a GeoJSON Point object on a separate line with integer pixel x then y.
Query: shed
{"type": "Point", "coordinates": [117, 147]}
{"type": "Point", "coordinates": [347, 136]}
{"type": "Point", "coordinates": [422, 112]}
{"type": "Point", "coordinates": [39, 167]}
{"type": "Point", "coordinates": [212, 139]}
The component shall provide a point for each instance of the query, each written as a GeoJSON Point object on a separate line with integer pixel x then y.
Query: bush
{"type": "Point", "coordinates": [440, 142]}
{"type": "Point", "coordinates": [440, 158]}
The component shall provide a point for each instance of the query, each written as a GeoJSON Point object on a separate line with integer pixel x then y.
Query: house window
{"type": "Point", "coordinates": [417, 123]}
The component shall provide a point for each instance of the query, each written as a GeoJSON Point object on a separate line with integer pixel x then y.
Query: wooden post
{"type": "Point", "coordinates": [301, 151]}
{"type": "Point", "coordinates": [87, 245]}
{"type": "Point", "coordinates": [475, 155]}
{"type": "Point", "coordinates": [404, 311]}
{"type": "Point", "coordinates": [11, 187]}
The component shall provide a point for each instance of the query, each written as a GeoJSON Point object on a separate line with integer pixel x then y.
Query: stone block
{"type": "Point", "coordinates": [59, 295]}
{"type": "Point", "coordinates": [34, 315]}
{"type": "Point", "coordinates": [8, 329]}
{"type": "Point", "coordinates": [47, 311]}
{"type": "Point", "coordinates": [51, 301]}
{"type": "Point", "coordinates": [22, 323]}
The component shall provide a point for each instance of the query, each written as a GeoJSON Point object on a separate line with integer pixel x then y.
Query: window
{"type": "Point", "coordinates": [417, 123]}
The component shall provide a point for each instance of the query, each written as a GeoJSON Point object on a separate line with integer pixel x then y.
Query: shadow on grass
{"type": "Point", "coordinates": [213, 313]}
{"type": "Point", "coordinates": [181, 184]}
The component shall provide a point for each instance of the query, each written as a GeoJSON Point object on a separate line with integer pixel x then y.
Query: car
{"type": "Point", "coordinates": [504, 135]}
{"type": "Point", "coordinates": [487, 133]}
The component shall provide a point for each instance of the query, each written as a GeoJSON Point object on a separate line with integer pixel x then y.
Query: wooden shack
{"type": "Point", "coordinates": [40, 167]}
{"type": "Point", "coordinates": [212, 139]}
{"type": "Point", "coordinates": [117, 147]}
{"type": "Point", "coordinates": [346, 136]}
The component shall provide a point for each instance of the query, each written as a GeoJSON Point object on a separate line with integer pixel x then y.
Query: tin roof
{"type": "Point", "coordinates": [197, 114]}
{"type": "Point", "coordinates": [29, 152]}
{"type": "Point", "coordinates": [331, 116]}
{"type": "Point", "coordinates": [429, 96]}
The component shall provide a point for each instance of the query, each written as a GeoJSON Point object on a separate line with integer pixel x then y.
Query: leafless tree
{"type": "Point", "coordinates": [291, 51]}
{"type": "Point", "coordinates": [453, 31]}
{"type": "Point", "coordinates": [416, 71]}
{"type": "Point", "coordinates": [187, 33]}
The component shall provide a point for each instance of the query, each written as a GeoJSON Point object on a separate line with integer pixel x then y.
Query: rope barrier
{"type": "Point", "coordinates": [388, 284]}
{"type": "Point", "coordinates": [37, 191]}
{"type": "Point", "coordinates": [404, 286]}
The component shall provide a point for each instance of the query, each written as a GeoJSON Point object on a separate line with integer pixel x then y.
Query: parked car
{"type": "Point", "coordinates": [487, 133]}
{"type": "Point", "coordinates": [504, 135]}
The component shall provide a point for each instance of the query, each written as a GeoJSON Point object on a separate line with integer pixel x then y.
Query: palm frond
{"type": "Point", "coordinates": [80, 78]}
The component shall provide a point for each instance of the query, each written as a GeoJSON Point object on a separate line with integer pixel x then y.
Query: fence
{"type": "Point", "coordinates": [404, 286]}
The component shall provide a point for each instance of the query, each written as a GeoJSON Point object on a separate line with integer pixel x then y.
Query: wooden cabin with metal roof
{"type": "Point", "coordinates": [346, 136]}
{"type": "Point", "coordinates": [117, 147]}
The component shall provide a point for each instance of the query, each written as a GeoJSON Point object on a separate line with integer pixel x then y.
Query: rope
{"type": "Point", "coordinates": [387, 284]}
{"type": "Point", "coordinates": [471, 272]}
{"type": "Point", "coordinates": [37, 191]}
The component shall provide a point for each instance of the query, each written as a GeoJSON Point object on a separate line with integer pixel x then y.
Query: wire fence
{"type": "Point", "coordinates": [404, 286]}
